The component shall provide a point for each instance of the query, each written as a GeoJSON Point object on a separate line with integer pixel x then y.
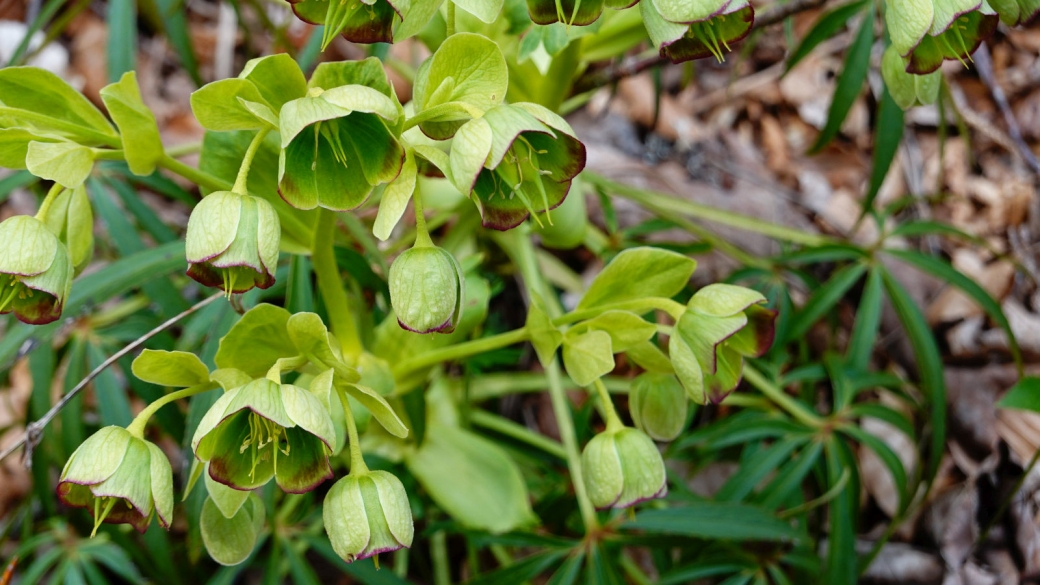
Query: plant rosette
{"type": "Point", "coordinates": [265, 430]}
{"type": "Point", "coordinates": [367, 513]}
{"type": "Point", "coordinates": [120, 478]}
{"type": "Point", "coordinates": [622, 467]}
{"type": "Point", "coordinates": [926, 32]}
{"type": "Point", "coordinates": [35, 271]}
{"type": "Point", "coordinates": [684, 30]}
{"type": "Point", "coordinates": [722, 324]}
{"type": "Point", "coordinates": [232, 242]}
{"type": "Point", "coordinates": [515, 160]}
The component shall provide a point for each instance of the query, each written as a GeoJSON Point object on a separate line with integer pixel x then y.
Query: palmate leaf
{"type": "Point", "coordinates": [926, 354]}
{"type": "Point", "coordinates": [823, 300]}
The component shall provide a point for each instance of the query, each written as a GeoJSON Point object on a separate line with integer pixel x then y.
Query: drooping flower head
{"type": "Point", "coordinates": [265, 429]}
{"type": "Point", "coordinates": [35, 271]}
{"type": "Point", "coordinates": [926, 32]}
{"type": "Point", "coordinates": [518, 159]}
{"type": "Point", "coordinates": [722, 324]}
{"type": "Point", "coordinates": [359, 21]}
{"type": "Point", "coordinates": [366, 514]}
{"type": "Point", "coordinates": [686, 30]}
{"type": "Point", "coordinates": [427, 289]}
{"type": "Point", "coordinates": [120, 479]}
{"type": "Point", "coordinates": [232, 242]}
{"type": "Point", "coordinates": [622, 467]}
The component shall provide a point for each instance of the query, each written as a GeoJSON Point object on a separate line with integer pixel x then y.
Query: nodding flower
{"type": "Point", "coordinates": [926, 32]}
{"type": "Point", "coordinates": [35, 270]}
{"type": "Point", "coordinates": [684, 31]}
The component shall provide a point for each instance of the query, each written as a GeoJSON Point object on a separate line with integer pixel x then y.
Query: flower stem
{"type": "Point", "coordinates": [781, 399]}
{"type": "Point", "coordinates": [422, 234]}
{"type": "Point", "coordinates": [200, 178]}
{"type": "Point", "coordinates": [451, 18]}
{"type": "Point", "coordinates": [247, 161]}
{"type": "Point", "coordinates": [672, 204]}
{"type": "Point", "coordinates": [517, 244]}
{"type": "Point", "coordinates": [462, 350]}
{"type": "Point", "coordinates": [137, 426]}
{"type": "Point", "coordinates": [499, 424]}
{"type": "Point", "coordinates": [52, 194]}
{"type": "Point", "coordinates": [638, 306]}
{"type": "Point", "coordinates": [357, 460]}
{"type": "Point", "coordinates": [330, 284]}
{"type": "Point", "coordinates": [613, 420]}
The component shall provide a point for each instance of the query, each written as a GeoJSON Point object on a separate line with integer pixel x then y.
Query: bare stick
{"type": "Point", "coordinates": [984, 65]}
{"type": "Point", "coordinates": [630, 67]}
{"type": "Point", "coordinates": [34, 431]}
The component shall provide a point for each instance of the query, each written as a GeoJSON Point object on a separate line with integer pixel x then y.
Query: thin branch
{"type": "Point", "coordinates": [984, 65]}
{"type": "Point", "coordinates": [34, 431]}
{"type": "Point", "coordinates": [634, 66]}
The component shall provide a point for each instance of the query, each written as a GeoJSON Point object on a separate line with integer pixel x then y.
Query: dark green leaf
{"type": "Point", "coordinates": [1024, 395]}
{"type": "Point", "coordinates": [850, 81]}
{"type": "Point", "coordinates": [929, 363]}
{"type": "Point", "coordinates": [790, 477]}
{"type": "Point", "coordinates": [868, 319]}
{"type": "Point", "coordinates": [701, 570]}
{"type": "Point", "coordinates": [715, 520]}
{"type": "Point", "coordinates": [841, 568]}
{"type": "Point", "coordinates": [886, 143]}
{"type": "Point", "coordinates": [122, 38]}
{"type": "Point", "coordinates": [824, 299]}
{"type": "Point", "coordinates": [826, 27]}
{"type": "Point", "coordinates": [754, 469]}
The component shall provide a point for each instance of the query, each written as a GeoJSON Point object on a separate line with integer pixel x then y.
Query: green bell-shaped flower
{"type": "Point", "coordinates": [359, 21]}
{"type": "Point", "coordinates": [427, 289]}
{"type": "Point", "coordinates": [658, 405]}
{"type": "Point", "coordinates": [120, 479]}
{"type": "Point", "coordinates": [1016, 12]}
{"type": "Point", "coordinates": [35, 271]}
{"type": "Point", "coordinates": [908, 90]}
{"type": "Point", "coordinates": [232, 242]}
{"type": "Point", "coordinates": [366, 514]}
{"type": "Point", "coordinates": [516, 160]}
{"type": "Point", "coordinates": [687, 30]}
{"type": "Point", "coordinates": [263, 430]}
{"type": "Point", "coordinates": [722, 324]}
{"type": "Point", "coordinates": [622, 467]}
{"type": "Point", "coordinates": [925, 32]}
{"type": "Point", "coordinates": [336, 147]}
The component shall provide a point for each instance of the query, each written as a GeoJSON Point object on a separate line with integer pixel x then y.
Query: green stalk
{"type": "Point", "coordinates": [357, 460]}
{"type": "Point", "coordinates": [451, 18]}
{"type": "Point", "coordinates": [516, 431]}
{"type": "Point", "coordinates": [462, 350]}
{"type": "Point", "coordinates": [330, 284]}
{"type": "Point", "coordinates": [200, 178]}
{"type": "Point", "coordinates": [517, 244]}
{"type": "Point", "coordinates": [137, 426]}
{"type": "Point", "coordinates": [247, 161]}
{"type": "Point", "coordinates": [184, 149]}
{"type": "Point", "coordinates": [52, 194]}
{"type": "Point", "coordinates": [609, 413]}
{"type": "Point", "coordinates": [638, 306]}
{"type": "Point", "coordinates": [671, 204]}
{"type": "Point", "coordinates": [781, 399]}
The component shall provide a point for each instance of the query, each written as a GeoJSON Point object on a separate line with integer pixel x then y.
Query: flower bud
{"type": "Point", "coordinates": [622, 468]}
{"type": "Point", "coordinates": [120, 479]}
{"type": "Point", "coordinates": [658, 405]}
{"type": "Point", "coordinates": [359, 21]}
{"type": "Point", "coordinates": [232, 242]}
{"type": "Point", "coordinates": [427, 289]}
{"type": "Point", "coordinates": [263, 430]}
{"type": "Point", "coordinates": [366, 514]}
{"type": "Point", "coordinates": [35, 271]}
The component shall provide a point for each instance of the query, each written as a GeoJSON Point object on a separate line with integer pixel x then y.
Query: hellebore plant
{"type": "Point", "coordinates": [685, 30]}
{"type": "Point", "coordinates": [266, 430]}
{"type": "Point", "coordinates": [925, 32]}
{"type": "Point", "coordinates": [35, 270]}
{"type": "Point", "coordinates": [120, 478]}
{"type": "Point", "coordinates": [516, 160]}
{"type": "Point", "coordinates": [622, 467]}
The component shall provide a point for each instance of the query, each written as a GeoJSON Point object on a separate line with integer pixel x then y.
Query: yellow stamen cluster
{"type": "Point", "coordinates": [263, 433]}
